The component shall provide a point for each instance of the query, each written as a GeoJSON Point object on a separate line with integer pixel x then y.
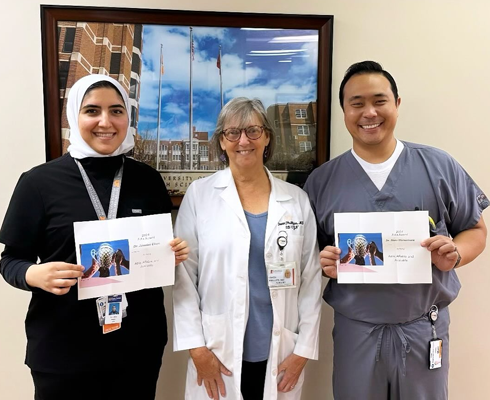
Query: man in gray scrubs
{"type": "Point", "coordinates": [382, 332]}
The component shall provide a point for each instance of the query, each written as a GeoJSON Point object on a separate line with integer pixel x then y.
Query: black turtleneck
{"type": "Point", "coordinates": [39, 225]}
{"type": "Point", "coordinates": [102, 170]}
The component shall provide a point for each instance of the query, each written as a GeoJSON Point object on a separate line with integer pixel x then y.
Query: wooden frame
{"type": "Point", "coordinates": [51, 15]}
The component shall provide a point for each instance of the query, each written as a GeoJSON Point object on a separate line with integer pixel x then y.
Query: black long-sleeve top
{"type": "Point", "coordinates": [64, 335]}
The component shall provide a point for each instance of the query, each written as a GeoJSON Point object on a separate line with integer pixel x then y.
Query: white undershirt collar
{"type": "Point", "coordinates": [379, 173]}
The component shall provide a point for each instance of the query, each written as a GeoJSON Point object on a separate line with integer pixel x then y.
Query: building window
{"type": "Point", "coordinates": [304, 146]}
{"type": "Point", "coordinates": [115, 63]}
{"type": "Point", "coordinates": [303, 130]}
{"type": "Point", "coordinates": [176, 148]}
{"type": "Point", "coordinates": [64, 69]}
{"type": "Point", "coordinates": [138, 33]}
{"type": "Point", "coordinates": [69, 40]}
{"type": "Point", "coordinates": [276, 123]}
{"type": "Point", "coordinates": [204, 151]}
{"type": "Point", "coordinates": [176, 157]}
{"type": "Point", "coordinates": [133, 88]}
{"type": "Point", "coordinates": [164, 157]}
{"type": "Point", "coordinates": [164, 148]}
{"type": "Point", "coordinates": [300, 113]}
{"type": "Point", "coordinates": [135, 66]}
{"type": "Point", "coordinates": [204, 168]}
{"type": "Point", "coordinates": [134, 115]}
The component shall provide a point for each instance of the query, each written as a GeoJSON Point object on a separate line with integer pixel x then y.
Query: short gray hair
{"type": "Point", "coordinates": [242, 110]}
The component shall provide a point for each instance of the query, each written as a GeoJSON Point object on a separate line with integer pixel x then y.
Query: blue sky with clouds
{"type": "Point", "coordinates": [277, 66]}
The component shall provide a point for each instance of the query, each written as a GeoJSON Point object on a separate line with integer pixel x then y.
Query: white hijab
{"type": "Point", "coordinates": [78, 147]}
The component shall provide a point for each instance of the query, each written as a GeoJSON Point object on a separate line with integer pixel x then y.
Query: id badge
{"type": "Point", "coordinates": [281, 275]}
{"type": "Point", "coordinates": [435, 354]}
{"type": "Point", "coordinates": [106, 317]}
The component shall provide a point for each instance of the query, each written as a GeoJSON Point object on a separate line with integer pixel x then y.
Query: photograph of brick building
{"type": "Point", "coordinates": [179, 77]}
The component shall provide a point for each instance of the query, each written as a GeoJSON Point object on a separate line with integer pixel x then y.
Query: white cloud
{"type": "Point", "coordinates": [174, 109]}
{"type": "Point", "coordinates": [273, 94]}
{"type": "Point", "coordinates": [147, 119]}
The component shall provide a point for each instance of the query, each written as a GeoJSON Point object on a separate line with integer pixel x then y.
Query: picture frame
{"type": "Point", "coordinates": [57, 23]}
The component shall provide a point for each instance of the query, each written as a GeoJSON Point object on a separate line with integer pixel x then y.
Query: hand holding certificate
{"type": "Point", "coordinates": [383, 247]}
{"type": "Point", "coordinates": [125, 254]}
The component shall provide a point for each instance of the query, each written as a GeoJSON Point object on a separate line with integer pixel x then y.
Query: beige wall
{"type": "Point", "coordinates": [437, 51]}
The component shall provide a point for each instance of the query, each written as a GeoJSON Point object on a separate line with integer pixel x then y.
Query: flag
{"type": "Point", "coordinates": [218, 62]}
{"type": "Point", "coordinates": [162, 68]}
{"type": "Point", "coordinates": [192, 49]}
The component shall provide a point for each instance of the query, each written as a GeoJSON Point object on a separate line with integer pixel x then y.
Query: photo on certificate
{"type": "Point", "coordinates": [360, 249]}
{"type": "Point", "coordinates": [105, 259]}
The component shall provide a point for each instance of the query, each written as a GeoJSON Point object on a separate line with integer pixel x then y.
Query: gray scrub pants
{"type": "Point", "coordinates": [389, 362]}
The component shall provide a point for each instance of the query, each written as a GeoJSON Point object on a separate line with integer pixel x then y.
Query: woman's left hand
{"type": "Point", "coordinates": [292, 367]}
{"type": "Point", "coordinates": [181, 250]}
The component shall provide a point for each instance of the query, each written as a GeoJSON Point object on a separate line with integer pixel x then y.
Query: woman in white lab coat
{"type": "Point", "coordinates": [247, 301]}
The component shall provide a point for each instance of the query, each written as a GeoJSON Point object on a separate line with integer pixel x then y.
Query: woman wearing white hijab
{"type": "Point", "coordinates": [69, 356]}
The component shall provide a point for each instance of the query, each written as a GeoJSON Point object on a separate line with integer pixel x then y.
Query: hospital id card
{"type": "Point", "coordinates": [435, 354]}
{"type": "Point", "coordinates": [281, 275]}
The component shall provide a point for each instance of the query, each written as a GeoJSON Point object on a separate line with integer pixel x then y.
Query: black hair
{"type": "Point", "coordinates": [366, 67]}
{"type": "Point", "coordinates": [103, 85]}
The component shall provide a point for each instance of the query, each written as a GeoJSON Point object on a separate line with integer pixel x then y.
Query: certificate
{"type": "Point", "coordinates": [124, 254]}
{"type": "Point", "coordinates": [383, 247]}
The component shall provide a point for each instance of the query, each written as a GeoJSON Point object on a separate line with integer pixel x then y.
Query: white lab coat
{"type": "Point", "coordinates": [211, 288]}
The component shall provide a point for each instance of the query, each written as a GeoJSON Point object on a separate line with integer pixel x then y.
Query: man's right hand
{"type": "Point", "coordinates": [209, 370]}
{"type": "Point", "coordinates": [54, 277]}
{"type": "Point", "coordinates": [328, 260]}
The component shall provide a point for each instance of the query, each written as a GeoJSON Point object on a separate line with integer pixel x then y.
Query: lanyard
{"type": "Point", "coordinates": [116, 190]}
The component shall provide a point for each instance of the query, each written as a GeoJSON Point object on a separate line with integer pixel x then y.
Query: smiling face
{"type": "Point", "coordinates": [103, 120]}
{"type": "Point", "coordinates": [245, 154]}
{"type": "Point", "coordinates": [370, 113]}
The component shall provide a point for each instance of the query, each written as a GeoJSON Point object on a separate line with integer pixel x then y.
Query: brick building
{"type": "Point", "coordinates": [175, 154]}
{"type": "Point", "coordinates": [295, 127]}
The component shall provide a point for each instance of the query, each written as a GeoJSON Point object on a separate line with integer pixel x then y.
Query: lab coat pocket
{"type": "Point", "coordinates": [286, 345]}
{"type": "Point", "coordinates": [218, 336]}
{"type": "Point", "coordinates": [286, 348]}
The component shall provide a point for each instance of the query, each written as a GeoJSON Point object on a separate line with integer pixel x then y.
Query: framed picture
{"type": "Point", "coordinates": [180, 67]}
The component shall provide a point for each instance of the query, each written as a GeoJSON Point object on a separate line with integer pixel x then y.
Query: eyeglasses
{"type": "Point", "coordinates": [253, 132]}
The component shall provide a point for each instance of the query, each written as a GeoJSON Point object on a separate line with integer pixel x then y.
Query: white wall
{"type": "Point", "coordinates": [438, 52]}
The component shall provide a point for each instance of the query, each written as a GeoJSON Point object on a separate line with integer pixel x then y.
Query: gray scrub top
{"type": "Point", "coordinates": [423, 178]}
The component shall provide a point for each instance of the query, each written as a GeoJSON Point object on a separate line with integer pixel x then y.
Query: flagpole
{"type": "Point", "coordinates": [159, 107]}
{"type": "Point", "coordinates": [190, 95]}
{"type": "Point", "coordinates": [220, 76]}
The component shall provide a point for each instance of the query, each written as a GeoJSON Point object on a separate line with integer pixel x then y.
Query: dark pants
{"type": "Point", "coordinates": [253, 380]}
{"type": "Point", "coordinates": [389, 362]}
{"type": "Point", "coordinates": [102, 384]}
